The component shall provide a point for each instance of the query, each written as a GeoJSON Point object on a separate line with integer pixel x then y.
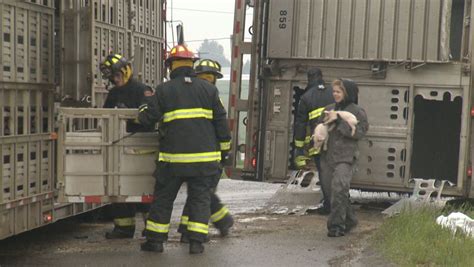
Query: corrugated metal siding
{"type": "Point", "coordinates": [360, 29]}
{"type": "Point", "coordinates": [26, 50]}
{"type": "Point", "coordinates": [91, 29]}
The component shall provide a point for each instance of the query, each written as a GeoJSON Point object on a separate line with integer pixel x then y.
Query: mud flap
{"type": "Point", "coordinates": [299, 194]}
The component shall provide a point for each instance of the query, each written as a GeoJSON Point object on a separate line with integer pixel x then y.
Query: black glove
{"type": "Point", "coordinates": [225, 158]}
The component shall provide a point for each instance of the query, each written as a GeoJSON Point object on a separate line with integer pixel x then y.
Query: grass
{"type": "Point", "coordinates": [414, 239]}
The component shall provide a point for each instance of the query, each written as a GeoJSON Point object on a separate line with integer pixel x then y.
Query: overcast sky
{"type": "Point", "coordinates": [205, 19]}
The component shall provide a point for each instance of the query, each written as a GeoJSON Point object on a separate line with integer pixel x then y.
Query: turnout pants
{"type": "Point", "coordinates": [220, 215]}
{"type": "Point", "coordinates": [325, 184]}
{"type": "Point", "coordinates": [124, 215]}
{"type": "Point", "coordinates": [166, 189]}
{"type": "Point", "coordinates": [338, 177]}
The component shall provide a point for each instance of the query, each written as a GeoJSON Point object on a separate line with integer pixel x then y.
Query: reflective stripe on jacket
{"type": "Point", "coordinates": [193, 125]}
{"type": "Point", "coordinates": [310, 109]}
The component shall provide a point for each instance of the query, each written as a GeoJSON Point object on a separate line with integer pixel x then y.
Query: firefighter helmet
{"type": "Point", "coordinates": [209, 66]}
{"type": "Point", "coordinates": [180, 52]}
{"type": "Point", "coordinates": [115, 63]}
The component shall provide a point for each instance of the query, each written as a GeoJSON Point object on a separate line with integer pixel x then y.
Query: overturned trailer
{"type": "Point", "coordinates": [411, 59]}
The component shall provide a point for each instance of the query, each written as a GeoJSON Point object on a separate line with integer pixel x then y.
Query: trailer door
{"type": "Point", "coordinates": [99, 161]}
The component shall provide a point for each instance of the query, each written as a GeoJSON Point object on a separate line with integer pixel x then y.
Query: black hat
{"type": "Point", "coordinates": [314, 73]}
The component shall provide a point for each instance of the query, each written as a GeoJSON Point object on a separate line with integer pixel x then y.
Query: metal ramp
{"type": "Point", "coordinates": [426, 192]}
{"type": "Point", "coordinates": [299, 194]}
{"type": "Point", "coordinates": [104, 163]}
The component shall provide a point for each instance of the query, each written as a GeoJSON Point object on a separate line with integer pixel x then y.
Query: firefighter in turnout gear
{"type": "Point", "coordinates": [311, 105]}
{"type": "Point", "coordinates": [210, 71]}
{"type": "Point", "coordinates": [126, 93]}
{"type": "Point", "coordinates": [193, 127]}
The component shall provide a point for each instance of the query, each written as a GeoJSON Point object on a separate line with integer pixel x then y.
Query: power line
{"type": "Point", "coordinates": [208, 39]}
{"type": "Point", "coordinates": [203, 10]}
{"type": "Point", "coordinates": [212, 39]}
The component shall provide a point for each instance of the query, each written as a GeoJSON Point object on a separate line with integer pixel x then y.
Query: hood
{"type": "Point", "coordinates": [351, 92]}
{"type": "Point", "coordinates": [315, 77]}
{"type": "Point", "coordinates": [182, 71]}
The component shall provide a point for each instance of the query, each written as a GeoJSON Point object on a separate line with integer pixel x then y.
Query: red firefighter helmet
{"type": "Point", "coordinates": [180, 52]}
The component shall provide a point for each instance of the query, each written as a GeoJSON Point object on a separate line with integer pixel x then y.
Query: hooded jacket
{"type": "Point", "coordinates": [342, 146]}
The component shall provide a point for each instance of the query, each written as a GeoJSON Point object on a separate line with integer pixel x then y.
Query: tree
{"type": "Point", "coordinates": [246, 67]}
{"type": "Point", "coordinates": [213, 50]}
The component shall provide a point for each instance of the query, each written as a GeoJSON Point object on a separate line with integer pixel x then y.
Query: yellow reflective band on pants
{"type": "Point", "coordinates": [157, 227]}
{"type": "Point", "coordinates": [198, 227]}
{"type": "Point", "coordinates": [190, 157]}
{"type": "Point", "coordinates": [190, 113]}
{"type": "Point", "coordinates": [123, 222]}
{"type": "Point", "coordinates": [299, 143]}
{"type": "Point", "coordinates": [313, 151]}
{"type": "Point", "coordinates": [225, 145]}
{"type": "Point", "coordinates": [307, 139]}
{"type": "Point", "coordinates": [220, 214]}
{"type": "Point", "coordinates": [301, 161]}
{"type": "Point", "coordinates": [184, 220]}
{"type": "Point", "coordinates": [315, 113]}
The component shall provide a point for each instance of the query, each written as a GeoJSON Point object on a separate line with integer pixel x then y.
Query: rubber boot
{"type": "Point", "coordinates": [121, 232]}
{"type": "Point", "coordinates": [153, 246]}
{"type": "Point", "coordinates": [335, 233]}
{"type": "Point", "coordinates": [350, 227]}
{"type": "Point", "coordinates": [185, 239]}
{"type": "Point", "coordinates": [323, 211]}
{"type": "Point", "coordinates": [224, 225]}
{"type": "Point", "coordinates": [196, 247]}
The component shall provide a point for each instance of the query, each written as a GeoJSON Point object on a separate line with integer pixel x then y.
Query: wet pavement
{"type": "Point", "coordinates": [257, 239]}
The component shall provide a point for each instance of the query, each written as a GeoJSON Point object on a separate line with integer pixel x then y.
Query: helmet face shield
{"type": "Point", "coordinates": [115, 64]}
{"type": "Point", "coordinates": [106, 71]}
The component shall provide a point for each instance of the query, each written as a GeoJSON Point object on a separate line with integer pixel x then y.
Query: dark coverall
{"type": "Point", "coordinates": [131, 95]}
{"type": "Point", "coordinates": [310, 108]}
{"type": "Point", "coordinates": [339, 160]}
{"type": "Point", "coordinates": [194, 127]}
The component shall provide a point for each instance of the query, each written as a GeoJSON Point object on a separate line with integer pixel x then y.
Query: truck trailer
{"type": "Point", "coordinates": [50, 56]}
{"type": "Point", "coordinates": [411, 59]}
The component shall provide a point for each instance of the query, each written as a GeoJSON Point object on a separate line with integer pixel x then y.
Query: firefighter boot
{"type": "Point", "coordinates": [224, 225]}
{"type": "Point", "coordinates": [121, 232]}
{"type": "Point", "coordinates": [152, 245]}
{"type": "Point", "coordinates": [185, 239]}
{"type": "Point", "coordinates": [196, 247]}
